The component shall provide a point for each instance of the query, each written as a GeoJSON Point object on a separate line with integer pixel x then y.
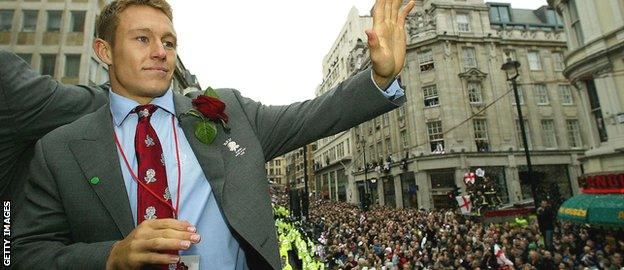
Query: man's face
{"type": "Point", "coordinates": [143, 54]}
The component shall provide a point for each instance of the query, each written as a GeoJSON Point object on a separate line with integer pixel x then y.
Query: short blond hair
{"type": "Point", "coordinates": [109, 18]}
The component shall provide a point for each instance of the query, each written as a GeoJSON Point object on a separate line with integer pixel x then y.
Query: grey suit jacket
{"type": "Point", "coordinates": [69, 223]}
{"type": "Point", "coordinates": [32, 105]}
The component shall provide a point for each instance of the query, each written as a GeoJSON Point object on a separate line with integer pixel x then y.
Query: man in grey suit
{"type": "Point", "coordinates": [81, 209]}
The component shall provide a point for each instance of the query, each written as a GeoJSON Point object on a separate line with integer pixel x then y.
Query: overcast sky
{"type": "Point", "coordinates": [272, 51]}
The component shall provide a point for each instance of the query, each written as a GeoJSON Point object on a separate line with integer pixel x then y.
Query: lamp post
{"type": "Point", "coordinates": [362, 142]}
{"type": "Point", "coordinates": [511, 70]}
{"type": "Point", "coordinates": [305, 201]}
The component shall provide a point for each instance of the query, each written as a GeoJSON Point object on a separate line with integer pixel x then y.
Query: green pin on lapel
{"type": "Point", "coordinates": [95, 180]}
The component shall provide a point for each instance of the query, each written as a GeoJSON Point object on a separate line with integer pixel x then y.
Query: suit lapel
{"type": "Point", "coordinates": [210, 157]}
{"type": "Point", "coordinates": [97, 155]}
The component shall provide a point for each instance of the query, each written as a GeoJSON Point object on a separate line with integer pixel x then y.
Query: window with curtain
{"type": "Point", "coordinates": [574, 133]}
{"type": "Point", "coordinates": [481, 135]}
{"type": "Point", "coordinates": [549, 136]}
{"type": "Point", "coordinates": [499, 14]}
{"type": "Point", "coordinates": [77, 21]}
{"type": "Point", "coordinates": [559, 65]}
{"type": "Point", "coordinates": [436, 138]}
{"type": "Point", "coordinates": [535, 62]}
{"type": "Point", "coordinates": [474, 92]}
{"type": "Point", "coordinates": [54, 21]}
{"type": "Point", "coordinates": [566, 94]}
{"type": "Point", "coordinates": [431, 96]}
{"type": "Point", "coordinates": [6, 20]}
{"type": "Point", "coordinates": [463, 22]}
{"type": "Point", "coordinates": [29, 20]}
{"type": "Point", "coordinates": [72, 65]}
{"type": "Point", "coordinates": [425, 59]}
{"type": "Point", "coordinates": [575, 23]}
{"type": "Point", "coordinates": [48, 64]}
{"type": "Point", "coordinates": [541, 94]}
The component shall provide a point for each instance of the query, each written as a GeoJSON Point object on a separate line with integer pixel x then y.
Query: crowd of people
{"type": "Point", "coordinates": [386, 238]}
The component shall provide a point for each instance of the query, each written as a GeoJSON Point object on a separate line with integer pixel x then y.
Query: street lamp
{"type": "Point", "coordinates": [511, 70]}
{"type": "Point", "coordinates": [362, 142]}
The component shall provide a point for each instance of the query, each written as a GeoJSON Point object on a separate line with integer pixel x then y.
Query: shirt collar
{"type": "Point", "coordinates": [121, 106]}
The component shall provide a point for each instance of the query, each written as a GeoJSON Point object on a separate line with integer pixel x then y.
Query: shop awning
{"type": "Point", "coordinates": [596, 209]}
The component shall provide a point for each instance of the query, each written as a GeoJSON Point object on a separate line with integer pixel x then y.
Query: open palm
{"type": "Point", "coordinates": [386, 40]}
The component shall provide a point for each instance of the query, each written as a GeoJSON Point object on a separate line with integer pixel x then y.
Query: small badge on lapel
{"type": "Point", "coordinates": [234, 147]}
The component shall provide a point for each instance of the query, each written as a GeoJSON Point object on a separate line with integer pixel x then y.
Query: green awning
{"type": "Point", "coordinates": [597, 209]}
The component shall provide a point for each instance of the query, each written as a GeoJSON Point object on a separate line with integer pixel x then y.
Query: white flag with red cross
{"type": "Point", "coordinates": [465, 205]}
{"type": "Point", "coordinates": [500, 256]}
{"type": "Point", "coordinates": [469, 178]}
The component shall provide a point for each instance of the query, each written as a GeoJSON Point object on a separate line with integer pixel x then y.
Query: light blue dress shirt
{"type": "Point", "coordinates": [218, 249]}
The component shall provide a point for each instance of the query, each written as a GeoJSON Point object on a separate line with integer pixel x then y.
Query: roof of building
{"type": "Point", "coordinates": [538, 17]}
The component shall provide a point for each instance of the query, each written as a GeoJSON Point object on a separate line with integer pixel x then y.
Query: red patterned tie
{"type": "Point", "coordinates": [153, 196]}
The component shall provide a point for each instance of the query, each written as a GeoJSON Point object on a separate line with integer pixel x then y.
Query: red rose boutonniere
{"type": "Point", "coordinates": [211, 111]}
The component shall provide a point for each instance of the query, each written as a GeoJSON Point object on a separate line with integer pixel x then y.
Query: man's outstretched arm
{"type": "Point", "coordinates": [31, 105]}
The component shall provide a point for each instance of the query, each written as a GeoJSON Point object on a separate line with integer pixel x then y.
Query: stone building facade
{"type": "Point", "coordinates": [55, 38]}
{"type": "Point", "coordinates": [460, 115]}
{"type": "Point", "coordinates": [595, 65]}
{"type": "Point", "coordinates": [333, 167]}
{"type": "Point", "coordinates": [276, 171]}
{"type": "Point", "coordinates": [295, 168]}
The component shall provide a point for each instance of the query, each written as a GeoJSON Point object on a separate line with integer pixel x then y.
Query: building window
{"type": "Point", "coordinates": [385, 120]}
{"type": "Point", "coordinates": [404, 138]}
{"type": "Point", "coordinates": [566, 95]}
{"type": "Point", "coordinates": [474, 92]}
{"type": "Point", "coordinates": [425, 59]}
{"type": "Point", "coordinates": [72, 65]}
{"type": "Point", "coordinates": [48, 64]}
{"type": "Point", "coordinates": [548, 133]}
{"type": "Point", "coordinates": [558, 61]}
{"type": "Point", "coordinates": [27, 57]}
{"type": "Point", "coordinates": [596, 111]}
{"type": "Point", "coordinates": [29, 23]}
{"type": "Point", "coordinates": [520, 95]}
{"type": "Point", "coordinates": [6, 20]}
{"type": "Point", "coordinates": [541, 94]}
{"type": "Point", "coordinates": [388, 146]}
{"type": "Point", "coordinates": [54, 20]}
{"type": "Point", "coordinates": [481, 135]}
{"type": "Point", "coordinates": [534, 60]}
{"type": "Point", "coordinates": [574, 133]}
{"type": "Point", "coordinates": [470, 58]}
{"type": "Point", "coordinates": [431, 96]}
{"type": "Point", "coordinates": [463, 22]}
{"type": "Point", "coordinates": [575, 23]}
{"type": "Point", "coordinates": [527, 133]}
{"type": "Point", "coordinates": [77, 21]}
{"type": "Point", "coordinates": [436, 138]}
{"type": "Point", "coordinates": [401, 112]}
{"type": "Point", "coordinates": [552, 18]}
{"type": "Point", "coordinates": [499, 14]}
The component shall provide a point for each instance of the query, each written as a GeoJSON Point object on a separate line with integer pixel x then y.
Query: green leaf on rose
{"type": "Point", "coordinates": [205, 131]}
{"type": "Point", "coordinates": [211, 93]}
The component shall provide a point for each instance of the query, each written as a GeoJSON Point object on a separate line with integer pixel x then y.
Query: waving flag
{"type": "Point", "coordinates": [465, 205]}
